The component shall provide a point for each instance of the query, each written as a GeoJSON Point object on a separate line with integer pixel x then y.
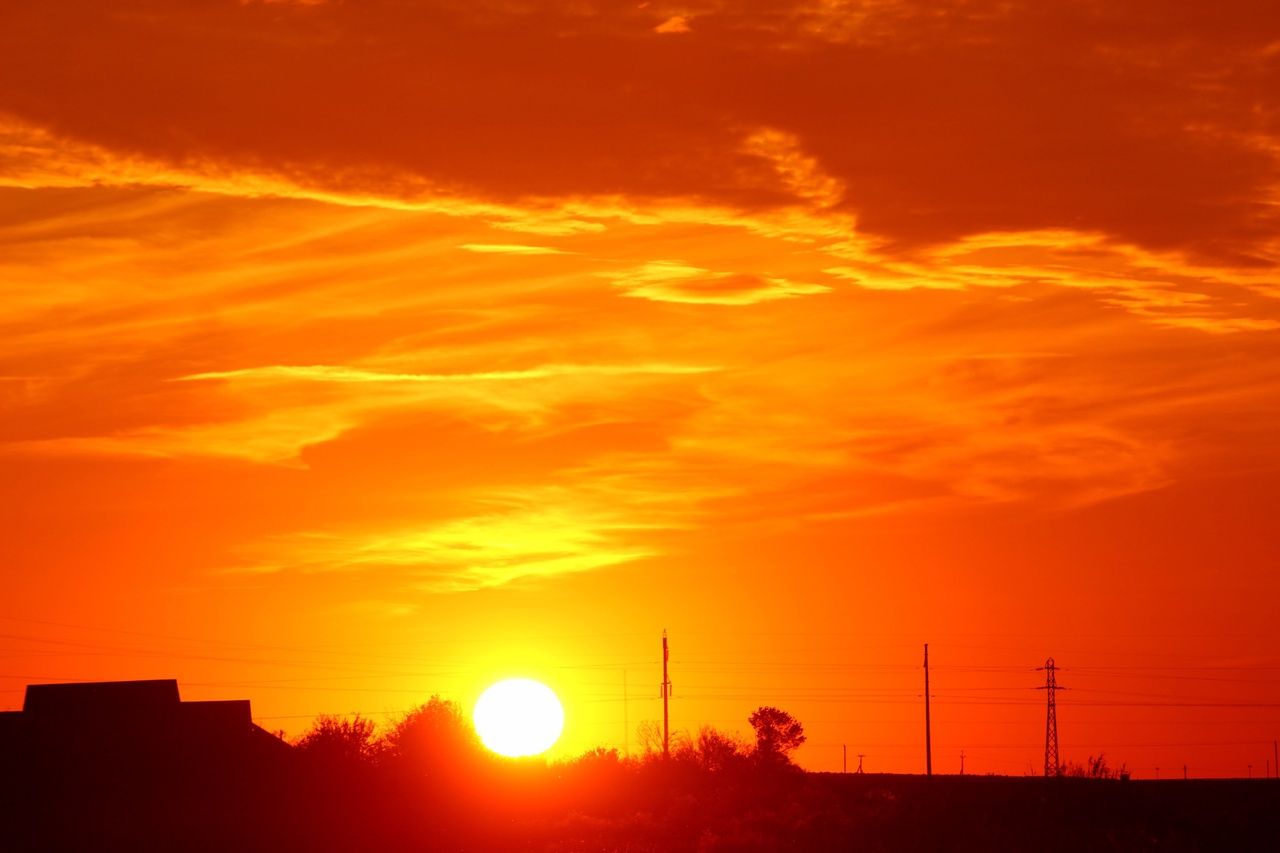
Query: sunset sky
{"type": "Point", "coordinates": [353, 351]}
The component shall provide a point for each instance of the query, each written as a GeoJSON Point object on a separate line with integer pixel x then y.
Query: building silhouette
{"type": "Point", "coordinates": [128, 765]}
{"type": "Point", "coordinates": [138, 725]}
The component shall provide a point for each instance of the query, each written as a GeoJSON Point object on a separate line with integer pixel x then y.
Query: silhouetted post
{"type": "Point", "coordinates": [1184, 773]}
{"type": "Point", "coordinates": [1051, 687]}
{"type": "Point", "coordinates": [962, 762]}
{"type": "Point", "coordinates": [666, 694]}
{"type": "Point", "coordinates": [844, 748]}
{"type": "Point", "coordinates": [928, 745]}
{"type": "Point", "coordinates": [626, 718]}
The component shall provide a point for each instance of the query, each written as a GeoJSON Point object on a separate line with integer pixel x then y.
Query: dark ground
{"type": "Point", "coordinates": [603, 804]}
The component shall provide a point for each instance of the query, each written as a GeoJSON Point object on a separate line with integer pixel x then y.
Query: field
{"type": "Point", "coordinates": [599, 806]}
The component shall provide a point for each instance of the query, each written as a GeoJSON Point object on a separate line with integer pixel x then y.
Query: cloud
{"type": "Point", "coordinates": [801, 173]}
{"type": "Point", "coordinates": [1165, 288]}
{"type": "Point", "coordinates": [674, 24]}
{"type": "Point", "coordinates": [282, 417]}
{"type": "Point", "coordinates": [329, 373]}
{"type": "Point", "coordinates": [928, 122]}
{"type": "Point", "coordinates": [673, 281]}
{"type": "Point", "coordinates": [544, 534]}
{"type": "Point", "coordinates": [508, 249]}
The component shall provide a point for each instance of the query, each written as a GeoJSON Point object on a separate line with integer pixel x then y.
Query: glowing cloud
{"type": "Point", "coordinates": [674, 24]}
{"type": "Point", "coordinates": [554, 534]}
{"type": "Point", "coordinates": [506, 249]}
{"type": "Point", "coordinates": [672, 281]}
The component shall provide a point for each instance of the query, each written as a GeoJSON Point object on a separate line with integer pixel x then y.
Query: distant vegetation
{"type": "Point", "coordinates": [438, 736]}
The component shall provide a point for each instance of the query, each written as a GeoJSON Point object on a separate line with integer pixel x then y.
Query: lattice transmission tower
{"type": "Point", "coordinates": [1051, 687]}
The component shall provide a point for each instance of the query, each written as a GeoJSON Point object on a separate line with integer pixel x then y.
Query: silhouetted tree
{"type": "Point", "coordinates": [778, 734]}
{"type": "Point", "coordinates": [337, 739]}
{"type": "Point", "coordinates": [649, 733]}
{"type": "Point", "coordinates": [434, 737]}
{"type": "Point", "coordinates": [717, 751]}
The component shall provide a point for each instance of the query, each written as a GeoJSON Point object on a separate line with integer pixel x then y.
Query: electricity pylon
{"type": "Point", "coordinates": [1051, 687]}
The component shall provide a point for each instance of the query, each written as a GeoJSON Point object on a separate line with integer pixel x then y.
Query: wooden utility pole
{"type": "Point", "coordinates": [928, 744]}
{"type": "Point", "coordinates": [666, 694]}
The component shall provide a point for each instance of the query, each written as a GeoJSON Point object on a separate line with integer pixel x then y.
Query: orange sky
{"type": "Point", "coordinates": [358, 351]}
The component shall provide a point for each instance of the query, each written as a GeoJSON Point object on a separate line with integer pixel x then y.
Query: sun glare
{"type": "Point", "coordinates": [518, 717]}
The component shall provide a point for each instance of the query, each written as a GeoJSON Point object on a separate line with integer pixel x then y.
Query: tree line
{"type": "Point", "coordinates": [438, 735]}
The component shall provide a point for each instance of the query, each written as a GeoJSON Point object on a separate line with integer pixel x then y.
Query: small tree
{"type": "Point", "coordinates": [649, 734]}
{"type": "Point", "coordinates": [341, 739]}
{"type": "Point", "coordinates": [1095, 767]}
{"type": "Point", "coordinates": [778, 734]}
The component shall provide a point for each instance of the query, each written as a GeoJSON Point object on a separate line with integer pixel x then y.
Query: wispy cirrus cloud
{"type": "Point", "coordinates": [1166, 288]}
{"type": "Point", "coordinates": [339, 374]}
{"type": "Point", "coordinates": [510, 249]}
{"type": "Point", "coordinates": [673, 281]}
{"type": "Point", "coordinates": [539, 534]}
{"type": "Point", "coordinates": [281, 417]}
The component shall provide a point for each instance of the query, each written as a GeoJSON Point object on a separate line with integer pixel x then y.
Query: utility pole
{"type": "Point", "coordinates": [1051, 687]}
{"type": "Point", "coordinates": [666, 694]}
{"type": "Point", "coordinates": [928, 745]}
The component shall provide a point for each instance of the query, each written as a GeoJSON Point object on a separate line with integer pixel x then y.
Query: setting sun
{"type": "Point", "coordinates": [518, 717]}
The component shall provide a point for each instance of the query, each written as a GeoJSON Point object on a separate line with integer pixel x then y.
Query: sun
{"type": "Point", "coordinates": [518, 716]}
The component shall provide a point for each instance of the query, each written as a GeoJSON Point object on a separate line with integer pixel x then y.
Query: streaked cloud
{"type": "Point", "coordinates": [673, 281]}
{"type": "Point", "coordinates": [510, 249]}
{"type": "Point", "coordinates": [328, 373]}
{"type": "Point", "coordinates": [550, 532]}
